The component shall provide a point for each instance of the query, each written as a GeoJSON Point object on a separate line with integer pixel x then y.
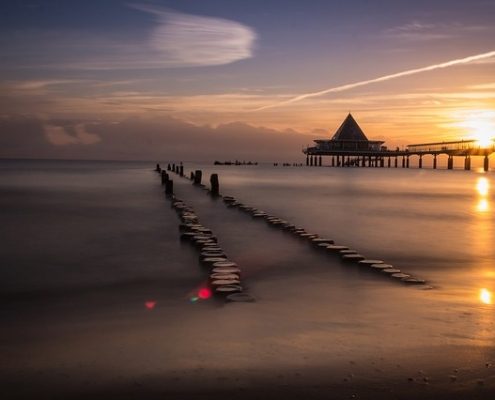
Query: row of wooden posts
{"type": "Point", "coordinates": [196, 178]}
{"type": "Point", "coordinates": [379, 161]}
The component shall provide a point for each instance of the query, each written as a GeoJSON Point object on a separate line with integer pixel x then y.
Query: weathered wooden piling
{"type": "Point", "coordinates": [158, 168]}
{"type": "Point", "coordinates": [164, 177]}
{"type": "Point", "coordinates": [450, 162]}
{"type": "Point", "coordinates": [320, 161]}
{"type": "Point", "coordinates": [467, 163]}
{"type": "Point", "coordinates": [169, 187]}
{"type": "Point", "coordinates": [215, 186]}
{"type": "Point", "coordinates": [192, 176]}
{"type": "Point", "coordinates": [434, 161]}
{"type": "Point", "coordinates": [181, 170]}
{"type": "Point", "coordinates": [420, 161]}
{"type": "Point", "coordinates": [486, 163]}
{"type": "Point", "coordinates": [198, 175]}
{"type": "Point", "coordinates": [169, 167]}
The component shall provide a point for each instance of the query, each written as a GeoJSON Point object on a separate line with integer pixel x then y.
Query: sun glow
{"type": "Point", "coordinates": [481, 127]}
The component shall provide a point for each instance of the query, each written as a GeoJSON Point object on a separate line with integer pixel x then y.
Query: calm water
{"type": "Point", "coordinates": [86, 244]}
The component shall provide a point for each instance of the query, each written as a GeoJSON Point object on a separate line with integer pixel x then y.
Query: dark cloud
{"type": "Point", "coordinates": [143, 139]}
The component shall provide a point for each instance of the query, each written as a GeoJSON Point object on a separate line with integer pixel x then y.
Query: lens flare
{"type": "Point", "coordinates": [204, 293]}
{"type": "Point", "coordinates": [485, 296]}
{"type": "Point", "coordinates": [150, 304]}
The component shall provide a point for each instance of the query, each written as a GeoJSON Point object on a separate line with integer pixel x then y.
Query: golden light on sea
{"type": "Point", "coordinates": [482, 186]}
{"type": "Point", "coordinates": [485, 296]}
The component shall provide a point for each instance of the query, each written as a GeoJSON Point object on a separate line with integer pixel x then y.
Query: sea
{"type": "Point", "coordinates": [99, 294]}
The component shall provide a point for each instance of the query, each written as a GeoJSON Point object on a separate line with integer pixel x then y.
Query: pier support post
{"type": "Point", "coordinates": [192, 176]}
{"type": "Point", "coordinates": [403, 162]}
{"type": "Point", "coordinates": [486, 163]}
{"type": "Point", "coordinates": [168, 167]}
{"type": "Point", "coordinates": [407, 162]}
{"type": "Point", "coordinates": [467, 163]}
{"type": "Point", "coordinates": [450, 162]}
{"type": "Point", "coordinates": [198, 175]}
{"type": "Point", "coordinates": [389, 162]}
{"type": "Point", "coordinates": [382, 162]}
{"type": "Point", "coordinates": [320, 161]}
{"type": "Point", "coordinates": [363, 161]}
{"type": "Point", "coordinates": [164, 177]}
{"type": "Point", "coordinates": [181, 170]}
{"type": "Point", "coordinates": [396, 162]}
{"type": "Point", "coordinates": [434, 161]}
{"type": "Point", "coordinates": [333, 161]}
{"type": "Point", "coordinates": [158, 169]}
{"type": "Point", "coordinates": [311, 161]}
{"type": "Point", "coordinates": [307, 160]}
{"type": "Point", "coordinates": [420, 161]}
{"type": "Point", "coordinates": [215, 186]}
{"type": "Point", "coordinates": [169, 187]}
{"type": "Point", "coordinates": [369, 161]}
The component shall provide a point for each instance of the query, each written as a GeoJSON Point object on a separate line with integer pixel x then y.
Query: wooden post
{"type": "Point", "coordinates": [407, 162]}
{"type": "Point", "coordinates": [164, 177]}
{"type": "Point", "coordinates": [467, 163]}
{"type": "Point", "coordinates": [382, 162]}
{"type": "Point", "coordinates": [158, 169]}
{"type": "Point", "coordinates": [198, 175]}
{"type": "Point", "coordinates": [320, 161]}
{"type": "Point", "coordinates": [181, 170]}
{"type": "Point", "coordinates": [450, 162]}
{"type": "Point", "coordinates": [403, 162]}
{"type": "Point", "coordinates": [192, 176]}
{"type": "Point", "coordinates": [215, 186]}
{"type": "Point", "coordinates": [307, 160]}
{"type": "Point", "coordinates": [486, 163]}
{"type": "Point", "coordinates": [420, 161]}
{"type": "Point", "coordinates": [333, 161]}
{"type": "Point", "coordinates": [389, 162]}
{"type": "Point", "coordinates": [168, 167]}
{"type": "Point", "coordinates": [396, 162]}
{"type": "Point", "coordinates": [169, 187]}
{"type": "Point", "coordinates": [434, 161]}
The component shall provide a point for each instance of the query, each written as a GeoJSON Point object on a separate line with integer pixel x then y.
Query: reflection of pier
{"type": "Point", "coordinates": [350, 147]}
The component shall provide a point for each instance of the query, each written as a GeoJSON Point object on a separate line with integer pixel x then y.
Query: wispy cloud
{"type": "Point", "coordinates": [417, 31]}
{"type": "Point", "coordinates": [384, 78]}
{"type": "Point", "coordinates": [192, 40]}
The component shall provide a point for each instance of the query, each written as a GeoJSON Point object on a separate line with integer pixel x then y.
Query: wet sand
{"type": "Point", "coordinates": [319, 329]}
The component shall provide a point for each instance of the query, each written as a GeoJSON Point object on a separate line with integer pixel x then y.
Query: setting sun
{"type": "Point", "coordinates": [481, 127]}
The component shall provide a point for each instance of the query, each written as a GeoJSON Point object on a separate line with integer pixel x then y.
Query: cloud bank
{"type": "Point", "coordinates": [191, 40]}
{"type": "Point", "coordinates": [158, 139]}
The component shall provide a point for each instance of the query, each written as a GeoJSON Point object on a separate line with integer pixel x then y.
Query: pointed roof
{"type": "Point", "coordinates": [349, 130]}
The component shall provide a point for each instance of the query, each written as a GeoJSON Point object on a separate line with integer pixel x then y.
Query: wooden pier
{"type": "Point", "coordinates": [350, 147]}
{"type": "Point", "coordinates": [402, 158]}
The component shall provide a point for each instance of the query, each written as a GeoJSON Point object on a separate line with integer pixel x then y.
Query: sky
{"type": "Point", "coordinates": [230, 79]}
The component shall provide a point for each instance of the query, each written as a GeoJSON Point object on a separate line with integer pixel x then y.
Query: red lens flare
{"type": "Point", "coordinates": [150, 304]}
{"type": "Point", "coordinates": [204, 293]}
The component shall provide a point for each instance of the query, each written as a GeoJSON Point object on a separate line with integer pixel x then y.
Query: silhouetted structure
{"type": "Point", "coordinates": [349, 146]}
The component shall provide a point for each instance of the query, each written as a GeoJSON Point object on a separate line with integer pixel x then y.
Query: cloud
{"type": "Point", "coordinates": [417, 31]}
{"type": "Point", "coordinates": [191, 40]}
{"type": "Point", "coordinates": [61, 135]}
{"type": "Point", "coordinates": [384, 78]}
{"type": "Point", "coordinates": [161, 138]}
{"type": "Point", "coordinates": [482, 86]}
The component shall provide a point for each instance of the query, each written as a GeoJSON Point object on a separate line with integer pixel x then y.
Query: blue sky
{"type": "Point", "coordinates": [213, 62]}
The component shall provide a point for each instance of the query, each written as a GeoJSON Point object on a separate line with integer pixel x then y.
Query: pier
{"type": "Point", "coordinates": [349, 147]}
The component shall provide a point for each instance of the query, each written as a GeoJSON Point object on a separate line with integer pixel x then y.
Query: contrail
{"type": "Point", "coordinates": [381, 79]}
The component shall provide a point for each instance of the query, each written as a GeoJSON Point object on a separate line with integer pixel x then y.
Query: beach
{"type": "Point", "coordinates": [98, 292]}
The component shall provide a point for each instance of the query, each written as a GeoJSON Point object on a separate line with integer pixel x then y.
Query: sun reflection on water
{"type": "Point", "coordinates": [485, 296]}
{"type": "Point", "coordinates": [483, 189]}
{"type": "Point", "coordinates": [482, 186]}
